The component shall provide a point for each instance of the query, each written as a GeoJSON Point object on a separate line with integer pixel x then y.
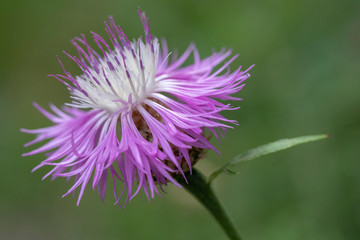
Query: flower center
{"type": "Point", "coordinates": [123, 78]}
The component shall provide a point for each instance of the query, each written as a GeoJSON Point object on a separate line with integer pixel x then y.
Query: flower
{"type": "Point", "coordinates": [134, 114]}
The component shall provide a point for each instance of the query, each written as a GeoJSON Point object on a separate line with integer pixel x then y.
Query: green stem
{"type": "Point", "coordinates": [202, 191]}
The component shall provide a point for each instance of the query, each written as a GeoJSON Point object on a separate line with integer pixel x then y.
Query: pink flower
{"type": "Point", "coordinates": [135, 114]}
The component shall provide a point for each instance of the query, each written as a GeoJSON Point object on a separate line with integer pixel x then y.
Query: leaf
{"type": "Point", "coordinates": [230, 172]}
{"type": "Point", "coordinates": [262, 150]}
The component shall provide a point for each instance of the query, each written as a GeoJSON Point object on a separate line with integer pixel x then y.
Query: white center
{"type": "Point", "coordinates": [111, 88]}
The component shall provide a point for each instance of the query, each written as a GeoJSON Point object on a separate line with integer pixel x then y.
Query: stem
{"type": "Point", "coordinates": [202, 191]}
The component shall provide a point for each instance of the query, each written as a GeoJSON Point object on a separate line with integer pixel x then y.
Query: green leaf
{"type": "Point", "coordinates": [230, 172]}
{"type": "Point", "coordinates": [262, 150]}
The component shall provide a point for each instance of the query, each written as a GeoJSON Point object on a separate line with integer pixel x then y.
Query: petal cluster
{"type": "Point", "coordinates": [138, 116]}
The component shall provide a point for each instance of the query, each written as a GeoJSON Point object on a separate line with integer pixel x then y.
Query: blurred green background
{"type": "Point", "coordinates": [306, 81]}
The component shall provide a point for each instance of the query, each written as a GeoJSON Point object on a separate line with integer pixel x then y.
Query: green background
{"type": "Point", "coordinates": [306, 81]}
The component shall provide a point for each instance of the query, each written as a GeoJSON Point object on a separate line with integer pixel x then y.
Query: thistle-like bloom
{"type": "Point", "coordinates": [135, 114]}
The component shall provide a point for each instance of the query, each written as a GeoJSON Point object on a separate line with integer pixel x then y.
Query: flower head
{"type": "Point", "coordinates": [135, 114]}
